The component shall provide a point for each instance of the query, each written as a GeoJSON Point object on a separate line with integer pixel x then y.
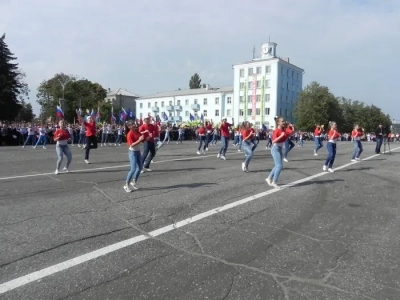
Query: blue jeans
{"type": "Point", "coordinates": [203, 139]}
{"type": "Point", "coordinates": [135, 159]}
{"type": "Point", "coordinates": [289, 145]}
{"type": "Point", "coordinates": [30, 138]}
{"type": "Point", "coordinates": [246, 146]}
{"type": "Point", "coordinates": [358, 149]}
{"type": "Point", "coordinates": [379, 141]}
{"type": "Point", "coordinates": [331, 154]}
{"type": "Point", "coordinates": [277, 155]}
{"type": "Point", "coordinates": [224, 146]}
{"type": "Point", "coordinates": [318, 144]}
{"type": "Point", "coordinates": [61, 150]}
{"type": "Point", "coordinates": [255, 144]}
{"type": "Point", "coordinates": [41, 138]}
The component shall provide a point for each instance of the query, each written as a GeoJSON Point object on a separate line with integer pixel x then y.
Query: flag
{"type": "Point", "coordinates": [92, 114]}
{"type": "Point", "coordinates": [165, 117]}
{"type": "Point", "coordinates": [191, 117]}
{"type": "Point", "coordinates": [202, 118]}
{"type": "Point", "coordinates": [121, 117]}
{"type": "Point", "coordinates": [158, 119]}
{"type": "Point", "coordinates": [130, 113]}
{"type": "Point", "coordinates": [112, 119]}
{"type": "Point", "coordinates": [98, 115]}
{"type": "Point", "coordinates": [59, 112]}
{"type": "Point", "coordinates": [124, 113]}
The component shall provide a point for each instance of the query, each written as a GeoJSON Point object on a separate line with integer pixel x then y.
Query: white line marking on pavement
{"type": "Point", "coordinates": [29, 278]}
{"type": "Point", "coordinates": [114, 167]}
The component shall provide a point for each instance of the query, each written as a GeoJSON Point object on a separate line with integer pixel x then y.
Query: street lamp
{"type": "Point", "coordinates": [63, 84]}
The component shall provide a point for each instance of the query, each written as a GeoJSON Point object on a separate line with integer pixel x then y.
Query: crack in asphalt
{"type": "Point", "coordinates": [230, 288]}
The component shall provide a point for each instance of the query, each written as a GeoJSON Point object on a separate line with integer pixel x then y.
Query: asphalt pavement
{"type": "Point", "coordinates": [199, 227]}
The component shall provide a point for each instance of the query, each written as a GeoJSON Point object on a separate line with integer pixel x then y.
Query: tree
{"type": "Point", "coordinates": [316, 105]}
{"type": "Point", "coordinates": [195, 81]}
{"type": "Point", "coordinates": [26, 112]}
{"type": "Point", "coordinates": [12, 86]}
{"type": "Point", "coordinates": [78, 93]}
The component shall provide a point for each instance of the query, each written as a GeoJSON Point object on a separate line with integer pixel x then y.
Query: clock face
{"type": "Point", "coordinates": [265, 50]}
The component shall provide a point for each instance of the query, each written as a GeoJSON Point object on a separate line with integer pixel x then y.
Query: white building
{"type": "Point", "coordinates": [122, 98]}
{"type": "Point", "coordinates": [213, 103]}
{"type": "Point", "coordinates": [266, 87]}
{"type": "Point", "coordinates": [262, 89]}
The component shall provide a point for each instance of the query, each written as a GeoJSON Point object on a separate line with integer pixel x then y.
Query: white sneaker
{"type": "Point", "coordinates": [56, 172]}
{"type": "Point", "coordinates": [127, 189]}
{"type": "Point", "coordinates": [207, 149]}
{"type": "Point", "coordinates": [152, 161]}
{"type": "Point", "coordinates": [198, 152]}
{"type": "Point", "coordinates": [315, 154]}
{"type": "Point", "coordinates": [324, 168]}
{"type": "Point", "coordinates": [66, 170]}
{"type": "Point", "coordinates": [285, 160]}
{"type": "Point", "coordinates": [133, 185]}
{"type": "Point", "coordinates": [223, 157]}
{"type": "Point", "coordinates": [353, 160]}
{"type": "Point", "coordinates": [358, 159]}
{"type": "Point", "coordinates": [147, 169]}
{"type": "Point", "coordinates": [87, 161]}
{"type": "Point", "coordinates": [238, 150]}
{"type": "Point", "coordinates": [46, 148]}
{"type": "Point", "coordinates": [268, 180]}
{"type": "Point", "coordinates": [331, 170]}
{"type": "Point", "coordinates": [243, 166]}
{"type": "Point", "coordinates": [274, 185]}
{"type": "Point", "coordinates": [34, 147]}
{"type": "Point", "coordinates": [218, 155]}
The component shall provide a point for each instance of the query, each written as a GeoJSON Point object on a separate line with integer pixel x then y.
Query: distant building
{"type": "Point", "coordinates": [266, 87]}
{"type": "Point", "coordinates": [211, 102]}
{"type": "Point", "coordinates": [122, 98]}
{"type": "Point", "coordinates": [262, 89]}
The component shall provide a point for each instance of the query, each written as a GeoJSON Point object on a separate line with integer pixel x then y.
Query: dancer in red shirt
{"type": "Point", "coordinates": [333, 135]}
{"type": "Point", "coordinates": [356, 135]}
{"type": "Point", "coordinates": [91, 138]}
{"type": "Point", "coordinates": [62, 136]}
{"type": "Point", "coordinates": [278, 140]}
{"type": "Point", "coordinates": [149, 131]}
{"type": "Point", "coordinates": [202, 138]}
{"type": "Point", "coordinates": [318, 132]}
{"type": "Point", "coordinates": [247, 134]}
{"type": "Point", "coordinates": [224, 137]}
{"type": "Point", "coordinates": [134, 140]}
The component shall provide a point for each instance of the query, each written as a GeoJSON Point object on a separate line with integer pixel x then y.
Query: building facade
{"type": "Point", "coordinates": [212, 103]}
{"type": "Point", "coordinates": [122, 98]}
{"type": "Point", "coordinates": [262, 89]}
{"type": "Point", "coordinates": [266, 87]}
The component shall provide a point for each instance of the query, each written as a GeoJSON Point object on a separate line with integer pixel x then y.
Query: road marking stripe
{"type": "Point", "coordinates": [29, 278]}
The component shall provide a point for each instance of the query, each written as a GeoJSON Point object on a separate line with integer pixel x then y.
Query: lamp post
{"type": "Point", "coordinates": [63, 84]}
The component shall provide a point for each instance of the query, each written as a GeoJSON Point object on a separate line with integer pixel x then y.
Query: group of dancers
{"type": "Point", "coordinates": [143, 141]}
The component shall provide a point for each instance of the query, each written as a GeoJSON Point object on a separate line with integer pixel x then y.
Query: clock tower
{"type": "Point", "coordinates": [268, 50]}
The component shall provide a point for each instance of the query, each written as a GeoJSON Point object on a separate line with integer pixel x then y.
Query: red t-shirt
{"type": "Point", "coordinates": [356, 133]}
{"type": "Point", "coordinates": [150, 128]}
{"type": "Point", "coordinates": [317, 132]}
{"type": "Point", "coordinates": [246, 132]}
{"type": "Point", "coordinates": [64, 134]}
{"type": "Point", "coordinates": [132, 137]}
{"type": "Point", "coordinates": [209, 127]}
{"type": "Point", "coordinates": [289, 130]}
{"type": "Point", "coordinates": [333, 135]}
{"type": "Point", "coordinates": [225, 129]}
{"type": "Point", "coordinates": [90, 128]}
{"type": "Point", "coordinates": [201, 131]}
{"type": "Point", "coordinates": [277, 133]}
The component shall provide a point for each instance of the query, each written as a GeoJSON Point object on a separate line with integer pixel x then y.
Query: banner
{"type": "Point", "coordinates": [254, 98]}
{"type": "Point", "coordinates": [245, 101]}
{"type": "Point", "coordinates": [262, 100]}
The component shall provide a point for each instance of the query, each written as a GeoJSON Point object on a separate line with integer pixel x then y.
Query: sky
{"type": "Point", "coordinates": [149, 46]}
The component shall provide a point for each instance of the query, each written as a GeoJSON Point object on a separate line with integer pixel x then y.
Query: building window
{"type": "Point", "coordinates": [170, 103]}
{"type": "Point", "coordinates": [141, 116]}
{"type": "Point", "coordinates": [287, 72]}
{"type": "Point", "coordinates": [267, 83]}
{"type": "Point", "coordinates": [141, 105]}
{"type": "Point", "coordinates": [287, 99]}
{"type": "Point", "coordinates": [282, 71]}
{"type": "Point", "coordinates": [297, 76]}
{"type": "Point", "coordinates": [250, 71]}
{"type": "Point", "coordinates": [293, 88]}
{"type": "Point", "coordinates": [287, 86]}
{"type": "Point", "coordinates": [217, 112]}
{"type": "Point", "coordinates": [250, 84]}
{"type": "Point", "coordinates": [170, 114]}
{"type": "Point", "coordinates": [258, 70]}
{"type": "Point", "coordinates": [229, 100]}
{"type": "Point", "coordinates": [178, 102]}
{"type": "Point", "coordinates": [267, 97]}
{"type": "Point", "coordinates": [258, 98]}
{"type": "Point", "coordinates": [156, 104]}
{"type": "Point", "coordinates": [281, 98]}
{"type": "Point", "coordinates": [178, 113]}
{"type": "Point", "coordinates": [149, 104]}
{"type": "Point", "coordinates": [282, 84]}
{"type": "Point", "coordinates": [266, 111]}
{"type": "Point", "coordinates": [267, 69]}
{"type": "Point", "coordinates": [286, 113]}
{"type": "Point", "coordinates": [216, 100]}
{"type": "Point", "coordinates": [249, 111]}
{"type": "Point", "coordinates": [241, 112]}
{"type": "Point", "coordinates": [258, 111]}
{"type": "Point", "coordinates": [241, 85]}
{"type": "Point", "coordinates": [162, 103]}
{"type": "Point", "coordinates": [292, 74]}
{"type": "Point", "coordinates": [241, 99]}
{"type": "Point", "coordinates": [259, 84]}
{"type": "Point", "coordinates": [195, 101]}
{"type": "Point", "coordinates": [205, 101]}
{"type": "Point", "coordinates": [241, 72]}
{"type": "Point", "coordinates": [249, 98]}
{"type": "Point", "coordinates": [204, 113]}
{"type": "Point", "coordinates": [186, 113]}
{"type": "Point", "coordinates": [187, 102]}
{"type": "Point", "coordinates": [228, 112]}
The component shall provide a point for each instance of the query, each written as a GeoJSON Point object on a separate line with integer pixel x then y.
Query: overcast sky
{"type": "Point", "coordinates": [148, 46]}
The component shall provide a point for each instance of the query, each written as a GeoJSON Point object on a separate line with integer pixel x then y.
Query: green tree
{"type": "Point", "coordinates": [78, 93]}
{"type": "Point", "coordinates": [12, 86]}
{"type": "Point", "coordinates": [316, 105]}
{"type": "Point", "coordinates": [195, 81]}
{"type": "Point", "coordinates": [26, 112]}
